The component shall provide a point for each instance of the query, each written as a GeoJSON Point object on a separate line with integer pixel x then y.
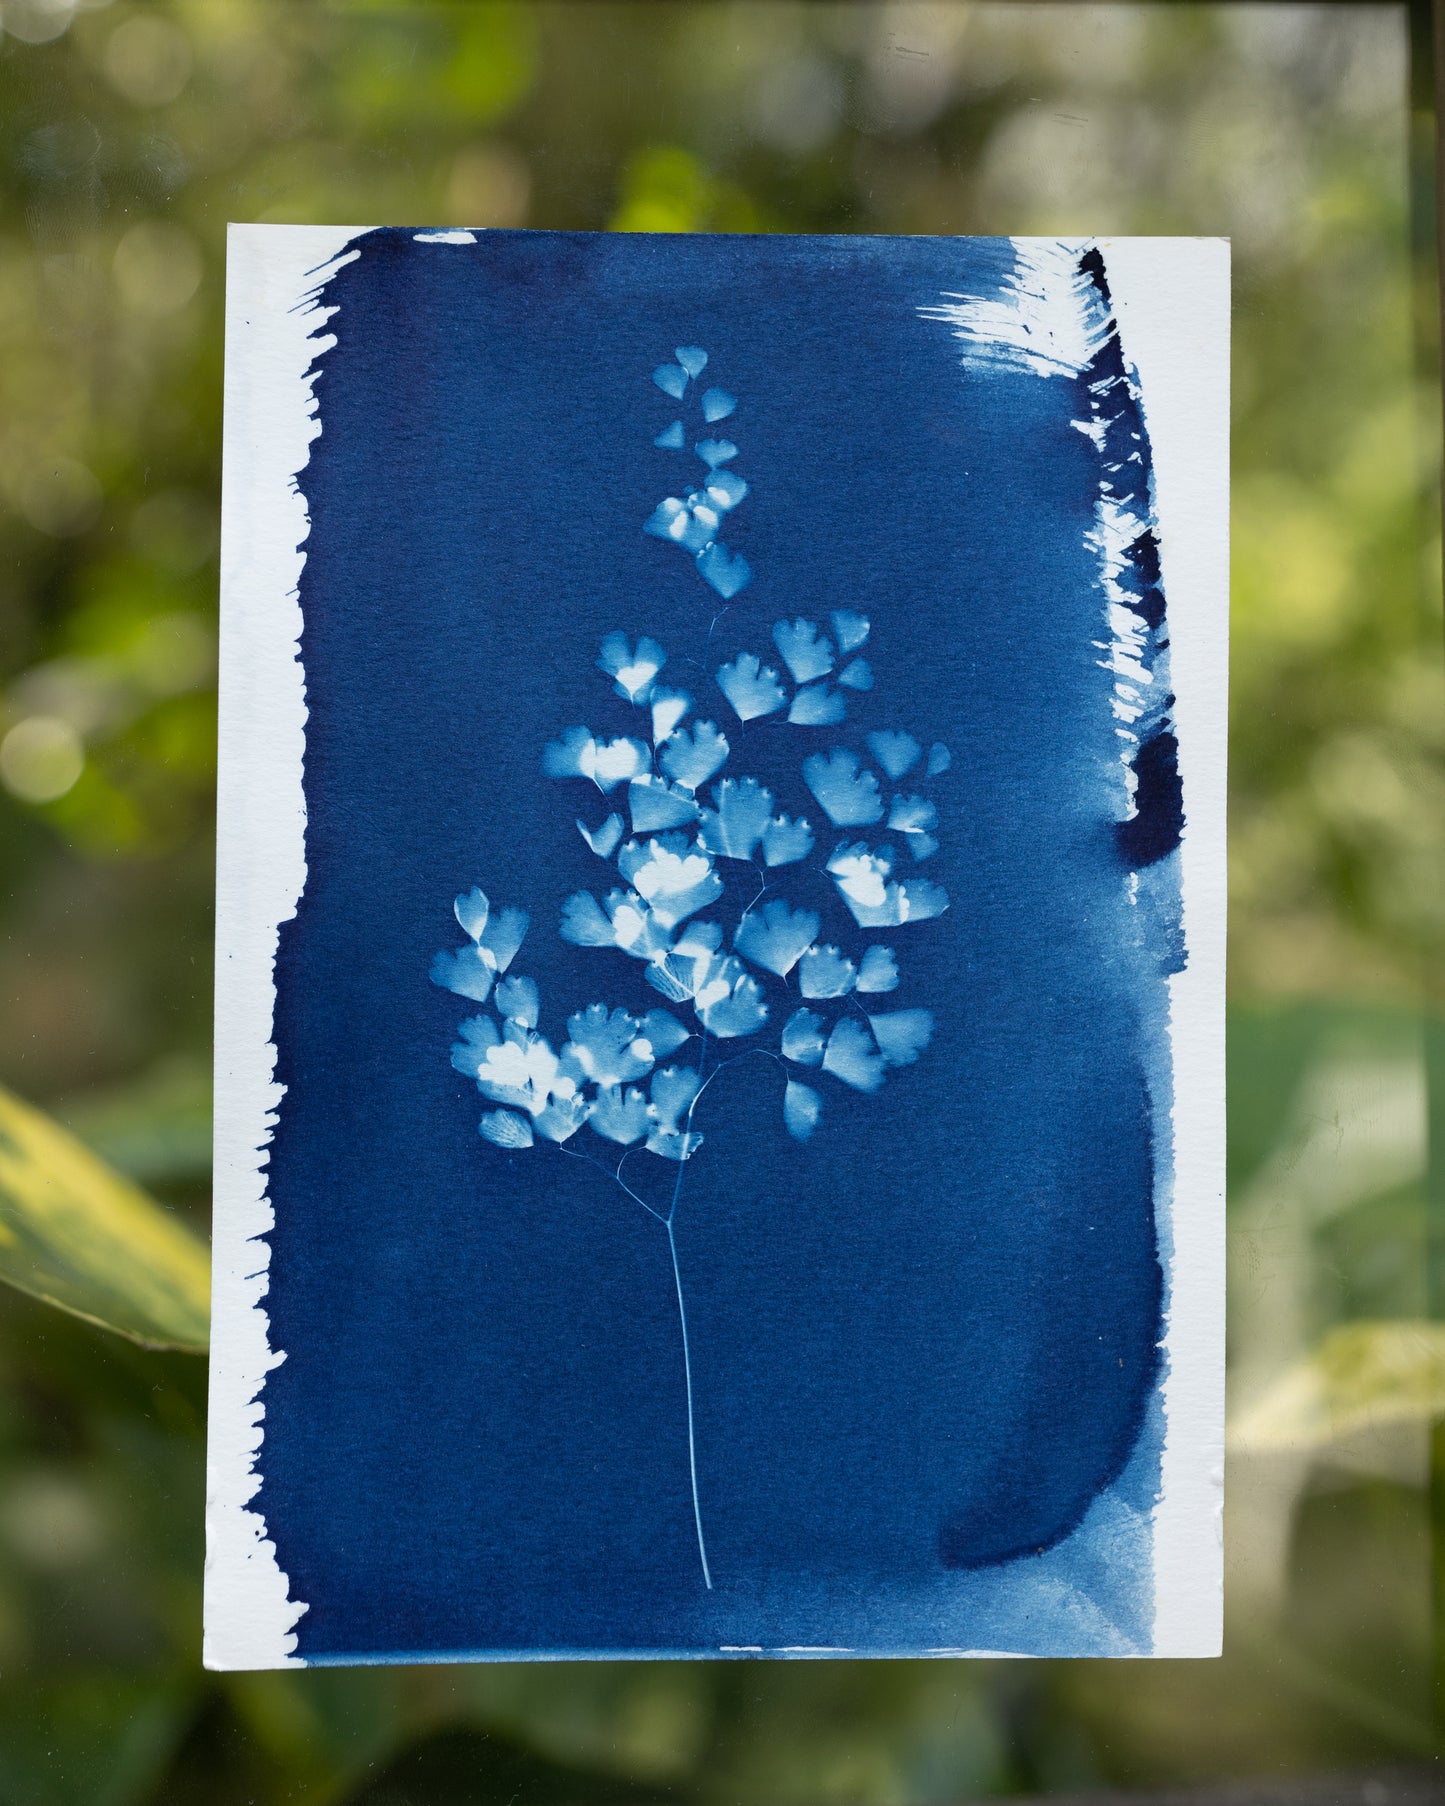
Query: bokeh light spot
{"type": "Point", "coordinates": [157, 267]}
{"type": "Point", "coordinates": [148, 60]}
{"type": "Point", "coordinates": [489, 185]}
{"type": "Point", "coordinates": [40, 759]}
{"type": "Point", "coordinates": [58, 495]}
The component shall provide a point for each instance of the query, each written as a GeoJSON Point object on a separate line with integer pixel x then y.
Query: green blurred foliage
{"type": "Point", "coordinates": [129, 135]}
{"type": "Point", "coordinates": [83, 1237]}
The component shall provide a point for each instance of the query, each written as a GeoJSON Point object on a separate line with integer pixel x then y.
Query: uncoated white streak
{"type": "Point", "coordinates": [1139, 689]}
{"type": "Point", "coordinates": [1036, 322]}
{"type": "Point", "coordinates": [1171, 299]}
{"type": "Point", "coordinates": [260, 871]}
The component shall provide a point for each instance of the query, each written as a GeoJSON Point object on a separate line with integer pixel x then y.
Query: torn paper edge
{"type": "Point", "coordinates": [272, 323]}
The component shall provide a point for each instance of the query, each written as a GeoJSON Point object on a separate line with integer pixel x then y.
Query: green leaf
{"type": "Point", "coordinates": [120, 1735]}
{"type": "Point", "coordinates": [155, 1127]}
{"type": "Point", "coordinates": [1362, 1376]}
{"type": "Point", "coordinates": [78, 1235]}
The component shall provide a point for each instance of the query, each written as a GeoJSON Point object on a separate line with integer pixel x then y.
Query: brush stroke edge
{"type": "Point", "coordinates": [270, 421]}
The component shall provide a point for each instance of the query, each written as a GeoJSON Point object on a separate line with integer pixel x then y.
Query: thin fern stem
{"type": "Point", "coordinates": [677, 1282]}
{"type": "Point", "coordinates": [682, 1324]}
{"type": "Point", "coordinates": [666, 1222]}
{"type": "Point", "coordinates": [687, 1376]}
{"type": "Point", "coordinates": [572, 1154]}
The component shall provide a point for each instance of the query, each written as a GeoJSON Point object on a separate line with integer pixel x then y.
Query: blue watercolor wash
{"type": "Point", "coordinates": [924, 1327]}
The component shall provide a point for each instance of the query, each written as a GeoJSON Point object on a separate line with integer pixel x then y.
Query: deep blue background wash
{"type": "Point", "coordinates": [924, 1345]}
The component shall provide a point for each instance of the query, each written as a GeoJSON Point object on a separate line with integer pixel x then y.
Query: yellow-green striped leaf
{"type": "Point", "coordinates": [78, 1235]}
{"type": "Point", "coordinates": [1362, 1376]}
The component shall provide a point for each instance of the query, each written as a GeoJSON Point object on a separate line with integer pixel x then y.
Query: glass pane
{"type": "Point", "coordinates": [131, 135]}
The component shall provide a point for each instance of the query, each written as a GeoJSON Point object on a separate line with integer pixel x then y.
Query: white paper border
{"type": "Point", "coordinates": [260, 870]}
{"type": "Point", "coordinates": [1171, 300]}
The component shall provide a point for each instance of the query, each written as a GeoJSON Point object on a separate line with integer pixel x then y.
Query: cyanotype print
{"type": "Point", "coordinates": [725, 1048]}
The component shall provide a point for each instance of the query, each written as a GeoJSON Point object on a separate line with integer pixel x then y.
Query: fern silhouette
{"type": "Point", "coordinates": [712, 899]}
{"type": "Point", "coordinates": [694, 519]}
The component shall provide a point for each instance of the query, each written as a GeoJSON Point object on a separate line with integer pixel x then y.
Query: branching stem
{"type": "Point", "coordinates": [668, 1224]}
